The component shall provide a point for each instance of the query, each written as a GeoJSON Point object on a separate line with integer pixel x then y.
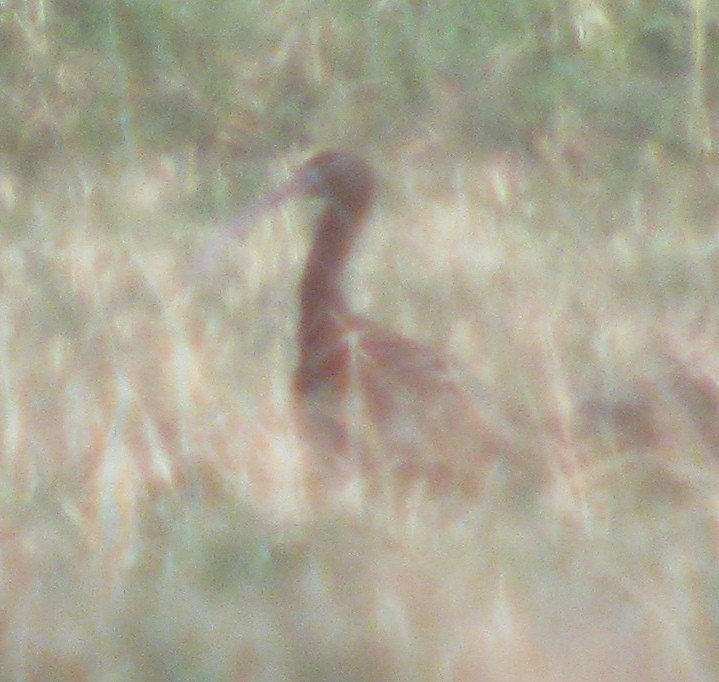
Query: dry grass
{"type": "Point", "coordinates": [156, 523]}
{"type": "Point", "coordinates": [548, 215]}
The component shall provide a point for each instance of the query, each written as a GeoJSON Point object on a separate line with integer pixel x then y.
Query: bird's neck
{"type": "Point", "coordinates": [322, 301]}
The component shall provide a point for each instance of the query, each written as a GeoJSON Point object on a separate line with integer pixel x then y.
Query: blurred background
{"type": "Point", "coordinates": [548, 212]}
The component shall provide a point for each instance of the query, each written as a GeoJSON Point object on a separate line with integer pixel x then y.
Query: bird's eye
{"type": "Point", "coordinates": [312, 178]}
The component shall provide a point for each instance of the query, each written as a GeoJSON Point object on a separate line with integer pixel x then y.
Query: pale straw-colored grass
{"type": "Point", "coordinates": [156, 519]}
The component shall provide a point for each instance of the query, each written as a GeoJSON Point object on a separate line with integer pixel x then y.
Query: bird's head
{"type": "Point", "coordinates": [339, 177]}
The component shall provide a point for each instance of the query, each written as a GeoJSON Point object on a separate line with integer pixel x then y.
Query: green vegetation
{"type": "Point", "coordinates": [85, 84]}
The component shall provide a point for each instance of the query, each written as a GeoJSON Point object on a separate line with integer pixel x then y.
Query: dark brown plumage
{"type": "Point", "coordinates": [371, 401]}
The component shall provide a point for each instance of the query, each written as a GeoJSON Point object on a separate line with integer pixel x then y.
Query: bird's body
{"type": "Point", "coordinates": [370, 401]}
{"type": "Point", "coordinates": [377, 403]}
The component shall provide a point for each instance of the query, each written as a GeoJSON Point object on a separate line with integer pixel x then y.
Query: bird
{"type": "Point", "coordinates": [369, 401]}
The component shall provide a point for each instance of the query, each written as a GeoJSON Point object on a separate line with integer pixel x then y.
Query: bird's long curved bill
{"type": "Point", "coordinates": [243, 222]}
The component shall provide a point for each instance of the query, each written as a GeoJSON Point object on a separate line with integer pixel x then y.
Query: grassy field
{"type": "Point", "coordinates": [548, 213]}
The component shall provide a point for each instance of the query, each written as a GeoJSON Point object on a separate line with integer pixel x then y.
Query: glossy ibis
{"type": "Point", "coordinates": [369, 400]}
